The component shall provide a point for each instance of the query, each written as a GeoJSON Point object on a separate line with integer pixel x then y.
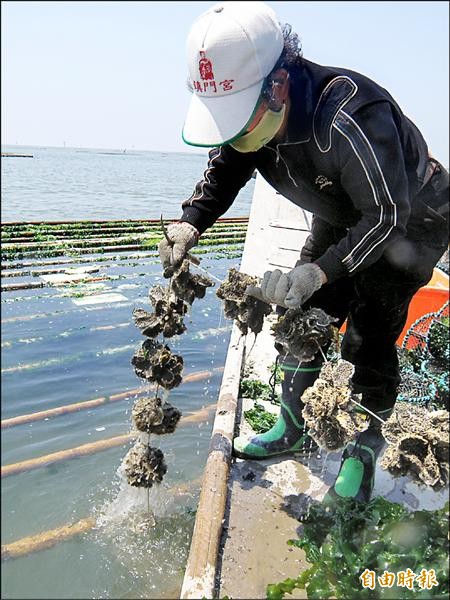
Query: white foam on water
{"type": "Point", "coordinates": [134, 504]}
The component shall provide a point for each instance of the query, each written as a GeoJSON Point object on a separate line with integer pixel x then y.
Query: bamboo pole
{"type": "Point", "coordinates": [78, 260]}
{"type": "Point", "coordinates": [32, 285]}
{"type": "Point", "coordinates": [96, 239]}
{"type": "Point", "coordinates": [30, 248]}
{"type": "Point", "coordinates": [63, 410]}
{"type": "Point", "coordinates": [95, 402]}
{"type": "Point", "coordinates": [91, 448]}
{"type": "Point", "coordinates": [200, 574]}
{"type": "Point", "coordinates": [104, 249]}
{"type": "Point", "coordinates": [46, 539]}
{"type": "Point", "coordinates": [63, 455]}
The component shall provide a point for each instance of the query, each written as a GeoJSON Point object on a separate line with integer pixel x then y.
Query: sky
{"type": "Point", "coordinates": [113, 74]}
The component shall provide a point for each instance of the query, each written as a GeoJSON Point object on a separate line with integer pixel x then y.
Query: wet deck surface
{"type": "Point", "coordinates": [263, 495]}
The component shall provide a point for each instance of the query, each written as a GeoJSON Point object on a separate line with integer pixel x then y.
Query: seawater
{"type": "Point", "coordinates": [55, 352]}
{"type": "Point", "coordinates": [76, 183]}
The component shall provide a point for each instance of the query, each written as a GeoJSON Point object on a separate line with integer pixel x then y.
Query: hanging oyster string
{"type": "Point", "coordinates": [154, 362]}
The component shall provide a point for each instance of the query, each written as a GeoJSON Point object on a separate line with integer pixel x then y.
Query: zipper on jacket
{"type": "Point", "coordinates": [277, 160]}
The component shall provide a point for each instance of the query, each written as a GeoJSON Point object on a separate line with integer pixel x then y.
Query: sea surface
{"type": "Point", "coordinates": [57, 351]}
{"type": "Point", "coordinates": [75, 184]}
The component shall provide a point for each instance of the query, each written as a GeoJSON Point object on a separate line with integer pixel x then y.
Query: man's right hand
{"type": "Point", "coordinates": [183, 236]}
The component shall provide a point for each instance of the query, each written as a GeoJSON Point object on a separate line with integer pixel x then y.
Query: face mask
{"type": "Point", "coordinates": [266, 130]}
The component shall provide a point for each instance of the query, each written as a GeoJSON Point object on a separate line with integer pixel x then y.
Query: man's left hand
{"type": "Point", "coordinates": [291, 289]}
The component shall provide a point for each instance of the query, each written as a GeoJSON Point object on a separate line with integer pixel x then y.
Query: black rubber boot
{"type": "Point", "coordinates": [288, 434]}
{"type": "Point", "coordinates": [357, 471]}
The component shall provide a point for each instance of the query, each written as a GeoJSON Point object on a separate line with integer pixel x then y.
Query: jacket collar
{"type": "Point", "coordinates": [304, 95]}
{"type": "Point", "coordinates": [316, 95]}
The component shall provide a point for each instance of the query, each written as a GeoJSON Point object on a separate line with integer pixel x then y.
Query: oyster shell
{"type": "Point", "coordinates": [248, 312]}
{"type": "Point", "coordinates": [144, 465]}
{"type": "Point", "coordinates": [302, 333]}
{"type": "Point", "coordinates": [328, 410]}
{"type": "Point", "coordinates": [155, 362]}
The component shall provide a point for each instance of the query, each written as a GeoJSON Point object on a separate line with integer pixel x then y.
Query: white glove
{"type": "Point", "coordinates": [183, 236]}
{"type": "Point", "coordinates": [290, 289]}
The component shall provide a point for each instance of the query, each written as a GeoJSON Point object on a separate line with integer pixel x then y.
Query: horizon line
{"type": "Point", "coordinates": [117, 149]}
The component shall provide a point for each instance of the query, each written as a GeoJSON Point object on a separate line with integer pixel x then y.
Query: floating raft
{"type": "Point", "coordinates": [14, 155]}
{"type": "Point", "coordinates": [50, 239]}
{"type": "Point", "coordinates": [248, 510]}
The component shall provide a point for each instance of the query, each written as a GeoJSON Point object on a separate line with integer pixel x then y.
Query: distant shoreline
{"type": "Point", "coordinates": [130, 151]}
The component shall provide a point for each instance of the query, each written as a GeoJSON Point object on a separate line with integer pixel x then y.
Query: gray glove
{"type": "Point", "coordinates": [183, 236]}
{"type": "Point", "coordinates": [290, 289]}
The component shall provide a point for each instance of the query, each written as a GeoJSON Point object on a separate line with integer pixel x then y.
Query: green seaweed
{"type": "Point", "coordinates": [259, 419]}
{"type": "Point", "coordinates": [257, 390]}
{"type": "Point", "coordinates": [343, 540]}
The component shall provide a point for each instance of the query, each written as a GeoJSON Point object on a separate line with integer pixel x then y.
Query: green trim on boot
{"type": "Point", "coordinates": [349, 479]}
{"type": "Point", "coordinates": [278, 440]}
{"type": "Point", "coordinates": [356, 475]}
{"type": "Point", "coordinates": [288, 434]}
{"type": "Point", "coordinates": [290, 369]}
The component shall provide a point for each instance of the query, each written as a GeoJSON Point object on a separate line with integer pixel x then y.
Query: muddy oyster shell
{"type": "Point", "coordinates": [302, 333]}
{"type": "Point", "coordinates": [155, 362]}
{"type": "Point", "coordinates": [188, 287]}
{"type": "Point", "coordinates": [248, 312]}
{"type": "Point", "coordinates": [170, 421]}
{"type": "Point", "coordinates": [144, 465]}
{"type": "Point", "coordinates": [161, 299]}
{"type": "Point", "coordinates": [167, 317]}
{"type": "Point", "coordinates": [328, 408]}
{"type": "Point", "coordinates": [168, 323]}
{"type": "Point", "coordinates": [151, 415]}
{"type": "Point", "coordinates": [147, 412]}
{"type": "Point", "coordinates": [418, 444]}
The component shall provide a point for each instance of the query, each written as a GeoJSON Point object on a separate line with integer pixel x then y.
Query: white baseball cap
{"type": "Point", "coordinates": [231, 48]}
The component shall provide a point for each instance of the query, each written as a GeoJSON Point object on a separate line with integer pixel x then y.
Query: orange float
{"type": "Point", "coordinates": [429, 298]}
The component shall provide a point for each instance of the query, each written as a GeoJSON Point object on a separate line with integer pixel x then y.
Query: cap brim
{"type": "Point", "coordinates": [214, 121]}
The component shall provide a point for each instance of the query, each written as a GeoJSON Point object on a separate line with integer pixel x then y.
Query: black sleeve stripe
{"type": "Point", "coordinates": [198, 192]}
{"type": "Point", "coordinates": [381, 195]}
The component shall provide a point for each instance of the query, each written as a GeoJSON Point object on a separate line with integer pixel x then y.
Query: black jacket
{"type": "Point", "coordinates": [349, 156]}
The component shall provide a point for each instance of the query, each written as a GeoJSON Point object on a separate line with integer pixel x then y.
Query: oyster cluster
{"type": "Point", "coordinates": [328, 408]}
{"type": "Point", "coordinates": [155, 362]}
{"type": "Point", "coordinates": [302, 333]}
{"type": "Point", "coordinates": [186, 286]}
{"type": "Point", "coordinates": [167, 317]}
{"type": "Point", "coordinates": [144, 465]}
{"type": "Point", "coordinates": [151, 415]}
{"type": "Point", "coordinates": [418, 444]}
{"type": "Point", "coordinates": [246, 311]}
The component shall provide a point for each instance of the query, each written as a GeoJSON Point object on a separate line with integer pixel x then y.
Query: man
{"type": "Point", "coordinates": [335, 143]}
